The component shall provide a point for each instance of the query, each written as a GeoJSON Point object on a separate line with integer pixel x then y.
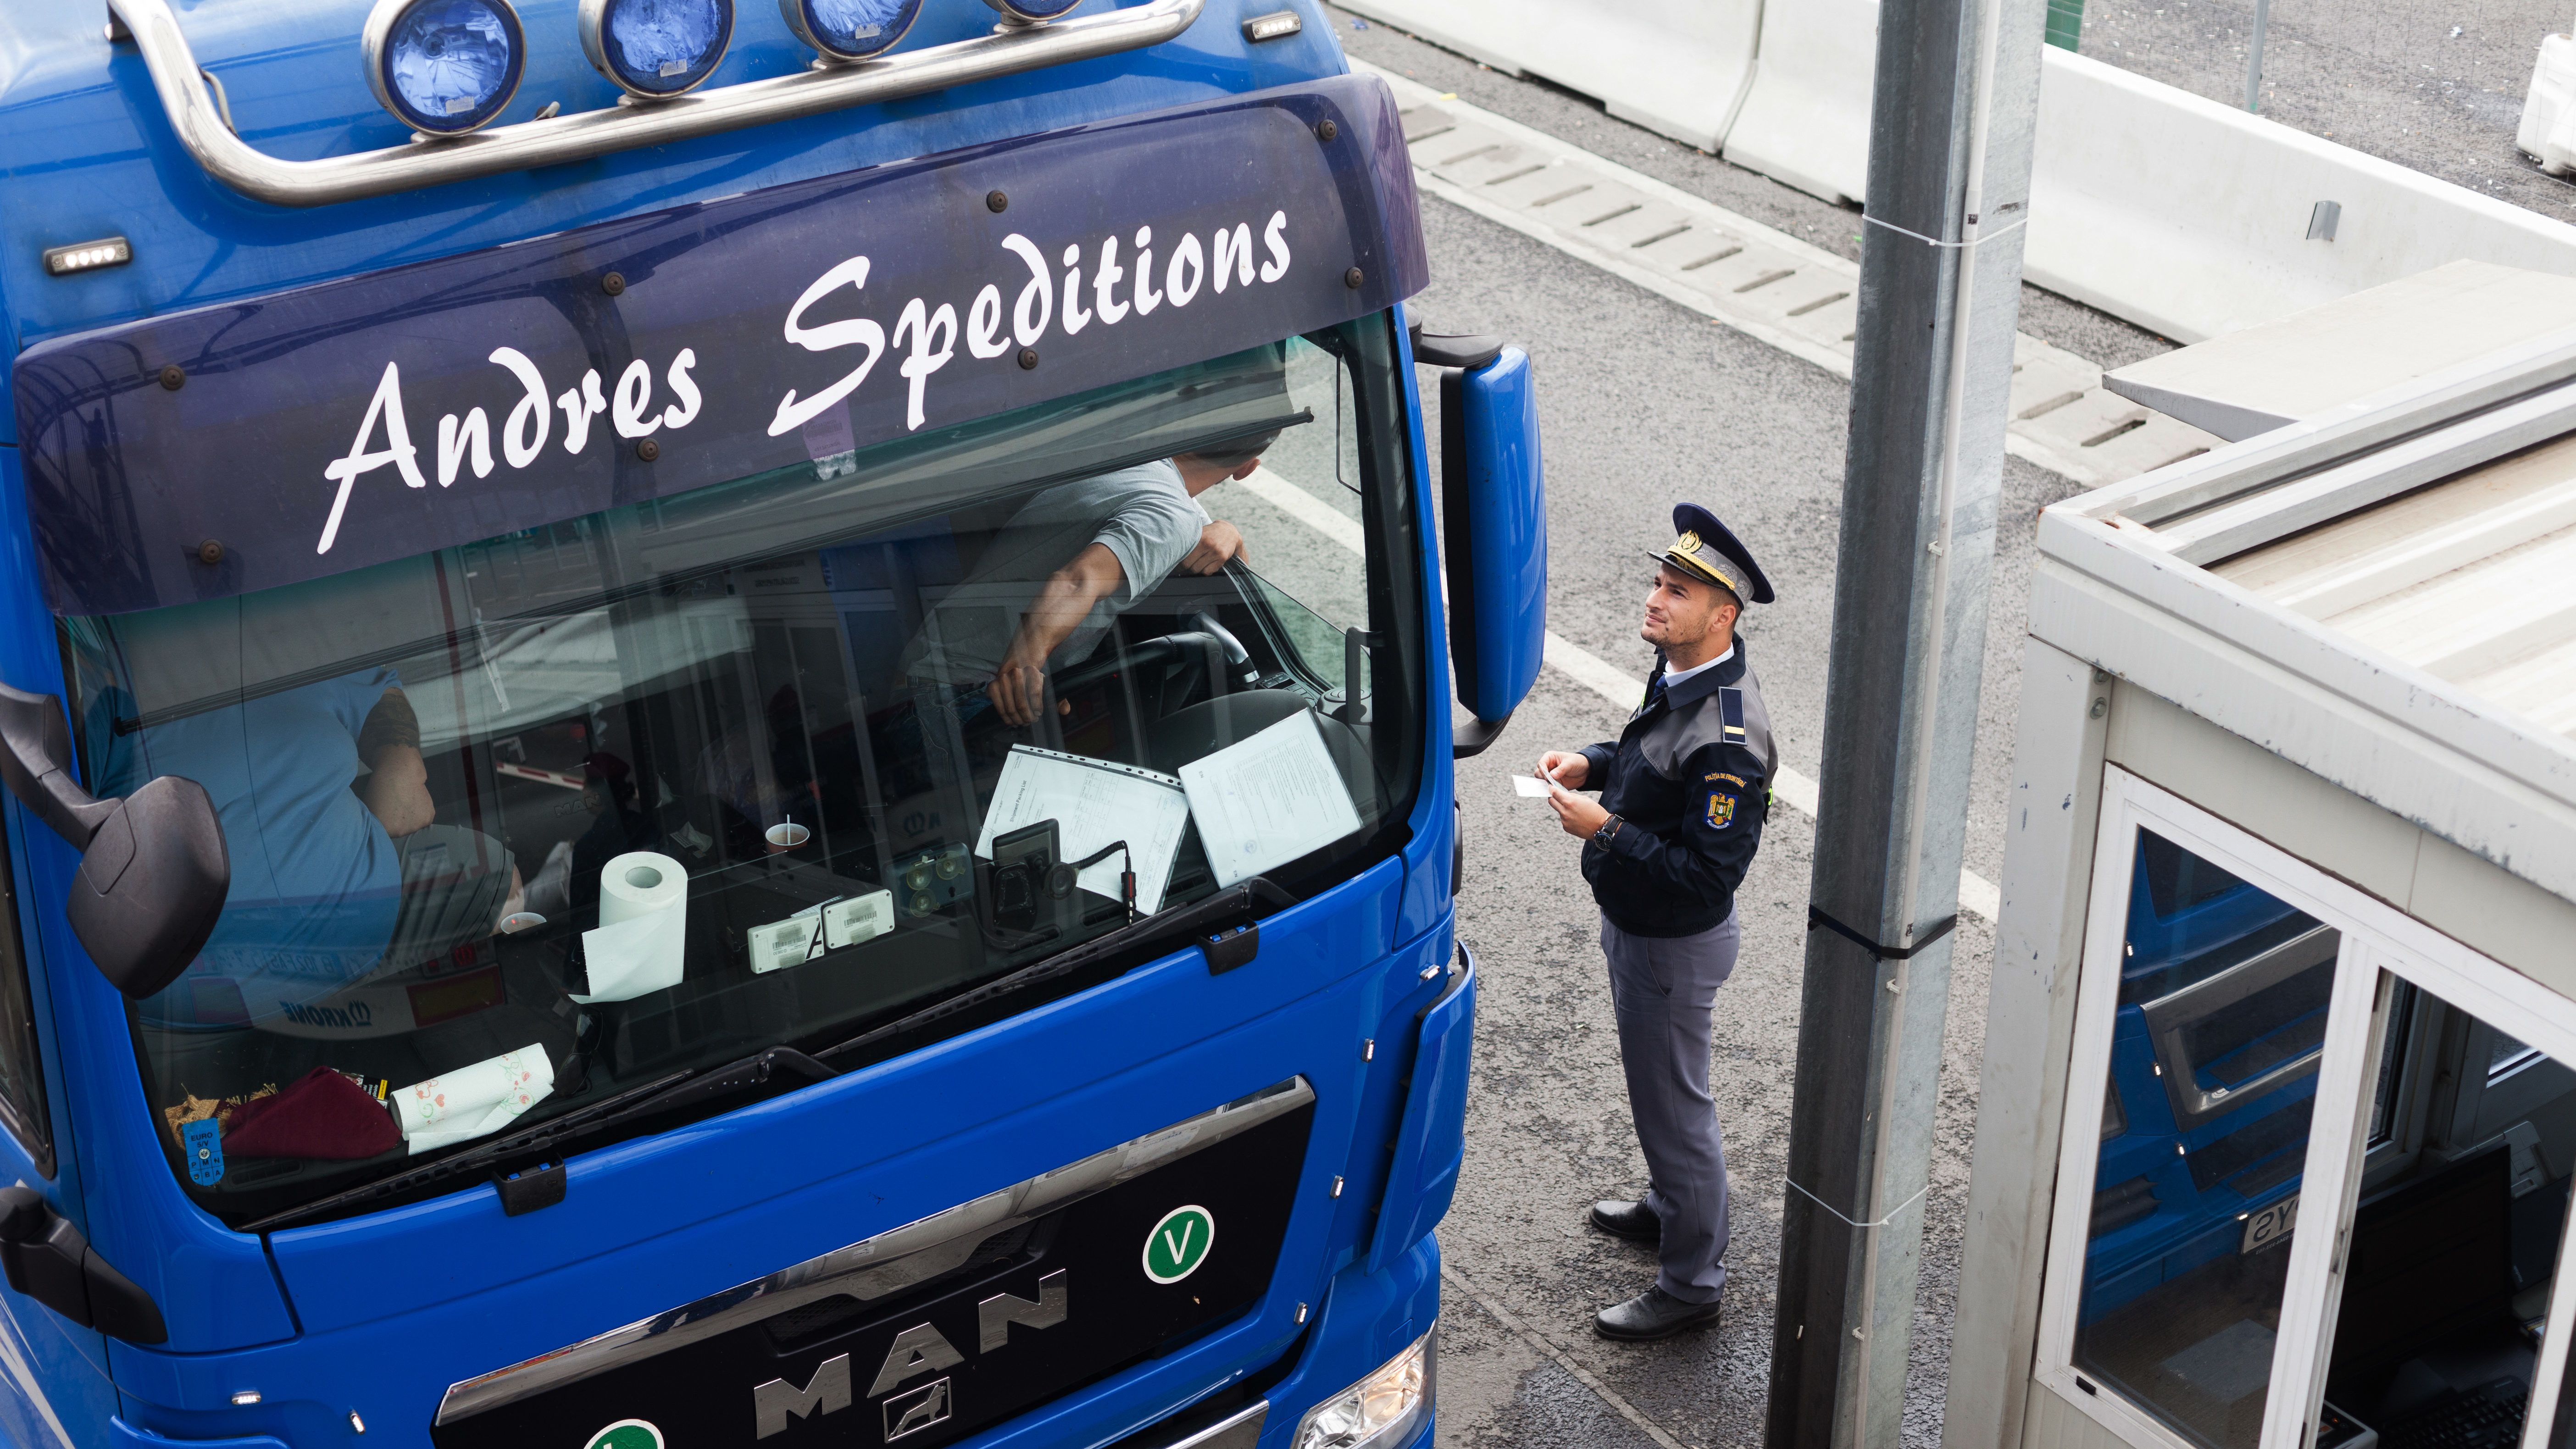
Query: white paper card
{"type": "Point", "coordinates": [1092, 803]}
{"type": "Point", "coordinates": [1530, 787]}
{"type": "Point", "coordinates": [1265, 801]}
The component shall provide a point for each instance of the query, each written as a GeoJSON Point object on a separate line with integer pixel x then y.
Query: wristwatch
{"type": "Point", "coordinates": [1609, 828]}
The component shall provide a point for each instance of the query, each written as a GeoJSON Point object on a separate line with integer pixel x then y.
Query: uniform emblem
{"type": "Point", "coordinates": [1721, 810]}
{"type": "Point", "coordinates": [1687, 544]}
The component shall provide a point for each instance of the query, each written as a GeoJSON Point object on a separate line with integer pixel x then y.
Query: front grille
{"type": "Point", "coordinates": [1035, 1311]}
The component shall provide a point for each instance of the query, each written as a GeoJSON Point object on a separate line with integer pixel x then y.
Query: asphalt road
{"type": "Point", "coordinates": [1644, 403]}
{"type": "Point", "coordinates": [2434, 86]}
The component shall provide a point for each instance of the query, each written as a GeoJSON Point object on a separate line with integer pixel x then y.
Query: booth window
{"type": "Point", "coordinates": [2223, 999]}
{"type": "Point", "coordinates": [2290, 1069]}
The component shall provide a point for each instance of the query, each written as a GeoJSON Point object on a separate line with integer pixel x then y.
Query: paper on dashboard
{"type": "Point", "coordinates": [1263, 802]}
{"type": "Point", "coordinates": [1092, 803]}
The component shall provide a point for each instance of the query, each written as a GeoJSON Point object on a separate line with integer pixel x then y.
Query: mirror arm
{"type": "Point", "coordinates": [35, 763]}
{"type": "Point", "coordinates": [1474, 735]}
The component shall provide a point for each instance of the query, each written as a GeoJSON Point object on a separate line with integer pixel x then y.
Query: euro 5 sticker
{"type": "Point", "coordinates": [202, 1141]}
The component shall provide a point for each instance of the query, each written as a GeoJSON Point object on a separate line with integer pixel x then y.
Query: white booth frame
{"type": "Point", "coordinates": [2379, 944]}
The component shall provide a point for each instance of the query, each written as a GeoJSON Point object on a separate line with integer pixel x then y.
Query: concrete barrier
{"type": "Point", "coordinates": [1805, 120]}
{"type": "Point", "coordinates": [1674, 66]}
{"type": "Point", "coordinates": [2195, 219]}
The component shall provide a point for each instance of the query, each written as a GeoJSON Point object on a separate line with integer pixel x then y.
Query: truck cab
{"type": "Point", "coordinates": [733, 728]}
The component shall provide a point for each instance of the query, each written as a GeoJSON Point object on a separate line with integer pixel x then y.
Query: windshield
{"type": "Point", "coordinates": [546, 822]}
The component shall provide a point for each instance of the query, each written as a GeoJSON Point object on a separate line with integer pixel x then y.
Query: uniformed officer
{"type": "Point", "coordinates": [1684, 793]}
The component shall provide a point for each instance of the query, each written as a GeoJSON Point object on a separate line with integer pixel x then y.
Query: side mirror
{"type": "Point", "coordinates": [1493, 495]}
{"type": "Point", "coordinates": [154, 871]}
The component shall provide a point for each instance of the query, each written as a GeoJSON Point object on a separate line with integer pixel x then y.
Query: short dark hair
{"type": "Point", "coordinates": [1234, 452]}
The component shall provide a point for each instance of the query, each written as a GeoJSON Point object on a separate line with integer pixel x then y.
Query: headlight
{"type": "Point", "coordinates": [1030, 12]}
{"type": "Point", "coordinates": [1383, 1410]}
{"type": "Point", "coordinates": [656, 48]}
{"type": "Point", "coordinates": [444, 67]}
{"type": "Point", "coordinates": [850, 29]}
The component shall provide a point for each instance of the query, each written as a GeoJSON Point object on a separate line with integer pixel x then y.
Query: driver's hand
{"type": "Point", "coordinates": [1218, 542]}
{"type": "Point", "coordinates": [1565, 767]}
{"type": "Point", "coordinates": [398, 792]}
{"type": "Point", "coordinates": [1018, 689]}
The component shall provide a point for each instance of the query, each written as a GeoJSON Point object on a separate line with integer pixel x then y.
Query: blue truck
{"type": "Point", "coordinates": [733, 727]}
{"type": "Point", "coordinates": [2214, 1052]}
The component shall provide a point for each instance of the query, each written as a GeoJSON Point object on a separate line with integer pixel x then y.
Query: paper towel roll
{"type": "Point", "coordinates": [641, 883]}
{"type": "Point", "coordinates": [473, 1101]}
{"type": "Point", "coordinates": [641, 944]}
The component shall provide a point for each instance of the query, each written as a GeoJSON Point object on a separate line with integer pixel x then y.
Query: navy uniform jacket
{"type": "Point", "coordinates": [1690, 777]}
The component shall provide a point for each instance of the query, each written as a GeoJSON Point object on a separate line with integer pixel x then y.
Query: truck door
{"type": "Point", "coordinates": [54, 1388]}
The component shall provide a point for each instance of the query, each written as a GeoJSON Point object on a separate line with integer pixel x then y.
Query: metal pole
{"type": "Point", "coordinates": [1955, 100]}
{"type": "Point", "coordinates": [2254, 57]}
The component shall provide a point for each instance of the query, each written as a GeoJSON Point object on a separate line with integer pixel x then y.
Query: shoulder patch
{"type": "Point", "coordinates": [1730, 709]}
{"type": "Point", "coordinates": [1735, 780]}
{"type": "Point", "coordinates": [1721, 809]}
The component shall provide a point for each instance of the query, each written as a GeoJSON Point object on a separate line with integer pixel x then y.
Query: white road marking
{"type": "Point", "coordinates": [1977, 895]}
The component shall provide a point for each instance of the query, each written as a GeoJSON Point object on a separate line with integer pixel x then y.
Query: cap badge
{"type": "Point", "coordinates": [1688, 543]}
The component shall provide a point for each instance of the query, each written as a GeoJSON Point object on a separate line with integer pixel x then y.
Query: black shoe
{"type": "Point", "coordinates": [1631, 1220]}
{"type": "Point", "coordinates": [1653, 1314]}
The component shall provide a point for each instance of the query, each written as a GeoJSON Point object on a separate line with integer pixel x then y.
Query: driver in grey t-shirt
{"type": "Point", "coordinates": [1071, 560]}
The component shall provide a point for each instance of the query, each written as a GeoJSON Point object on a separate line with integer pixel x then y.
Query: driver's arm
{"type": "Point", "coordinates": [1062, 603]}
{"type": "Point", "coordinates": [397, 788]}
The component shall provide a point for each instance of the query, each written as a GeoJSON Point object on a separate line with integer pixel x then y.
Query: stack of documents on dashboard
{"type": "Point", "coordinates": [1093, 802]}
{"type": "Point", "coordinates": [1263, 802]}
{"type": "Point", "coordinates": [1259, 803]}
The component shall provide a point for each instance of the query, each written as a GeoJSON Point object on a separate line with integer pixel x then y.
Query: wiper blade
{"type": "Point", "coordinates": [672, 1092]}
{"type": "Point", "coordinates": [463, 1162]}
{"type": "Point", "coordinates": [1197, 922]}
{"type": "Point", "coordinates": [731, 1079]}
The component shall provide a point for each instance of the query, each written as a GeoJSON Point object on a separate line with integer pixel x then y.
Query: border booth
{"type": "Point", "coordinates": [2277, 1117]}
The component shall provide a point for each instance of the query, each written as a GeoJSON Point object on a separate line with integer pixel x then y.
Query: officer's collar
{"type": "Point", "coordinates": [1708, 681]}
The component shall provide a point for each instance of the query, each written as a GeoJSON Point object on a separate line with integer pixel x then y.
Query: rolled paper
{"type": "Point", "coordinates": [473, 1101]}
{"type": "Point", "coordinates": [641, 943]}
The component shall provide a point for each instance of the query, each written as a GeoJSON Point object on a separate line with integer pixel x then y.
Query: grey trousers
{"type": "Point", "coordinates": [1662, 990]}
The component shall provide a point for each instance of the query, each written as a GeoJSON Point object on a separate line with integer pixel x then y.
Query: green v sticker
{"type": "Point", "coordinates": [1178, 1244]}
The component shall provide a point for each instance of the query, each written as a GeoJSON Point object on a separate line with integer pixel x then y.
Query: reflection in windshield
{"type": "Point", "coordinates": [521, 826]}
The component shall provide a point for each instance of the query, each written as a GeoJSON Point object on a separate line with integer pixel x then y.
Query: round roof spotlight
{"type": "Point", "coordinates": [656, 48]}
{"type": "Point", "coordinates": [1031, 12]}
{"type": "Point", "coordinates": [850, 29]}
{"type": "Point", "coordinates": [444, 67]}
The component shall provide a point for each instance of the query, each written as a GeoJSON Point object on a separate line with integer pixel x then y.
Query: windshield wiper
{"type": "Point", "coordinates": [671, 1092]}
{"type": "Point", "coordinates": [1201, 922]}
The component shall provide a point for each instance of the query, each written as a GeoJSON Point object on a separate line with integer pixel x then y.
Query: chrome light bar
{"type": "Point", "coordinates": [556, 140]}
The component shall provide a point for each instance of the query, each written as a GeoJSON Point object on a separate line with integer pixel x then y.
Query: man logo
{"type": "Point", "coordinates": [910, 1413]}
{"type": "Point", "coordinates": [1179, 1243]}
{"type": "Point", "coordinates": [627, 1434]}
{"type": "Point", "coordinates": [917, 1350]}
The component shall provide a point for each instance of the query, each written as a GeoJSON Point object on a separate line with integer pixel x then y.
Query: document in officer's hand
{"type": "Point", "coordinates": [1530, 787]}
{"type": "Point", "coordinates": [1262, 802]}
